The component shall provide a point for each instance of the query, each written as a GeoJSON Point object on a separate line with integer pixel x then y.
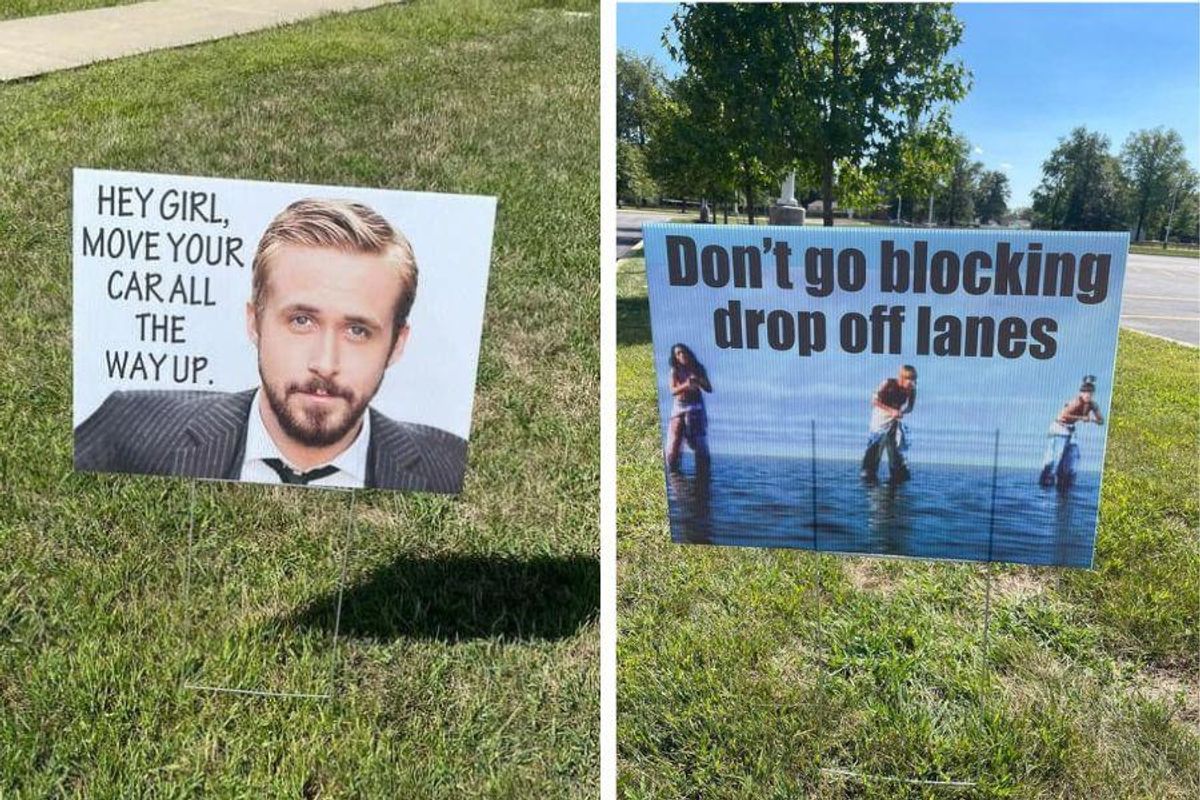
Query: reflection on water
{"type": "Point", "coordinates": [945, 511]}
{"type": "Point", "coordinates": [689, 498]}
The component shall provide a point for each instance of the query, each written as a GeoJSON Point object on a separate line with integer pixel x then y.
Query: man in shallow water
{"type": "Point", "coordinates": [1058, 463]}
{"type": "Point", "coordinates": [894, 399]}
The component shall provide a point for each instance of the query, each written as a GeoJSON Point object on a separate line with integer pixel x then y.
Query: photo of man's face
{"type": "Point", "coordinates": [325, 335]}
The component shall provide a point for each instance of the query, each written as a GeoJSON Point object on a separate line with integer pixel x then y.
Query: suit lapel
{"type": "Point", "coordinates": [391, 456]}
{"type": "Point", "coordinates": [214, 439]}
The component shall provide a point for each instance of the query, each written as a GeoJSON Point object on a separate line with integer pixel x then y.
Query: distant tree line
{"type": "Point", "coordinates": [854, 98]}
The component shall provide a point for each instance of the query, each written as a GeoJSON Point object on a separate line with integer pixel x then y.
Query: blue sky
{"type": "Point", "coordinates": [1039, 71]}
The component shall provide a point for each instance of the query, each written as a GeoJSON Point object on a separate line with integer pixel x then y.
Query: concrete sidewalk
{"type": "Point", "coordinates": [34, 45]}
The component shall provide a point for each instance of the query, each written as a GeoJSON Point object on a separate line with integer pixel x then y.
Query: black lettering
{"type": "Point", "coordinates": [976, 261]}
{"type": "Point", "coordinates": [853, 330]}
{"type": "Point", "coordinates": [1008, 264]}
{"type": "Point", "coordinates": [818, 270]}
{"type": "Point", "coordinates": [981, 337]}
{"type": "Point", "coordinates": [782, 253]}
{"type": "Point", "coordinates": [810, 331]}
{"type": "Point", "coordinates": [714, 266]}
{"type": "Point", "coordinates": [948, 341]}
{"type": "Point", "coordinates": [1093, 277]}
{"type": "Point", "coordinates": [681, 261]}
{"type": "Point", "coordinates": [943, 272]}
{"type": "Point", "coordinates": [747, 267]}
{"type": "Point", "coordinates": [1040, 329]}
{"type": "Point", "coordinates": [1058, 279]}
{"type": "Point", "coordinates": [781, 330]}
{"type": "Point", "coordinates": [893, 264]}
{"type": "Point", "coordinates": [1010, 342]}
{"type": "Point", "coordinates": [727, 325]}
{"type": "Point", "coordinates": [852, 269]}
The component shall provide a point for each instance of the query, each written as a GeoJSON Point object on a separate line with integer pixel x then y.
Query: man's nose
{"type": "Point", "coordinates": [325, 355]}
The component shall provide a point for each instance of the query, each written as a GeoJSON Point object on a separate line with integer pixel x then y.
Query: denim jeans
{"type": "Point", "coordinates": [1056, 444]}
{"type": "Point", "coordinates": [877, 443]}
{"type": "Point", "coordinates": [1056, 449]}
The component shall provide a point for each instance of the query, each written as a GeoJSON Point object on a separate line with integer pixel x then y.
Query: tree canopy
{"type": "Point", "coordinates": [812, 85]}
{"type": "Point", "coordinates": [991, 196]}
{"type": "Point", "coordinates": [1081, 186]}
{"type": "Point", "coordinates": [639, 82]}
{"type": "Point", "coordinates": [1154, 165]}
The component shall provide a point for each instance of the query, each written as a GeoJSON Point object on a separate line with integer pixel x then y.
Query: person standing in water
{"type": "Point", "coordinates": [689, 422]}
{"type": "Point", "coordinates": [894, 398]}
{"type": "Point", "coordinates": [1058, 463]}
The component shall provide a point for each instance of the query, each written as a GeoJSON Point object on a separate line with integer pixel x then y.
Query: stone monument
{"type": "Point", "coordinates": [785, 210]}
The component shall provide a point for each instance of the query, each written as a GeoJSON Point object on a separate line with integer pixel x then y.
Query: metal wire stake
{"type": "Point", "coordinates": [987, 601]}
{"type": "Point", "coordinates": [187, 575]}
{"type": "Point", "coordinates": [987, 619]}
{"type": "Point", "coordinates": [337, 621]}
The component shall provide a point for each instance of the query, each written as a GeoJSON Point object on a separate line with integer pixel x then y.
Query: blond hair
{"type": "Point", "coordinates": [340, 225]}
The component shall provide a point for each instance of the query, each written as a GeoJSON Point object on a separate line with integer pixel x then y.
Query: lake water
{"type": "Point", "coordinates": [943, 512]}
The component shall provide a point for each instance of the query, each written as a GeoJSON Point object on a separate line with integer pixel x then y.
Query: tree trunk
{"type": "Point", "coordinates": [827, 160]}
{"type": "Point", "coordinates": [827, 191]}
{"type": "Point", "coordinates": [1141, 220]}
{"type": "Point", "coordinates": [749, 196]}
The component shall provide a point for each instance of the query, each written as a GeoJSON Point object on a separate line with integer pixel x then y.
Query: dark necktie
{"type": "Point", "coordinates": [288, 476]}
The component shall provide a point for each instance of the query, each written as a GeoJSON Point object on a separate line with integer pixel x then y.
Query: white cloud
{"type": "Point", "coordinates": [978, 150]}
{"type": "Point", "coordinates": [1006, 166]}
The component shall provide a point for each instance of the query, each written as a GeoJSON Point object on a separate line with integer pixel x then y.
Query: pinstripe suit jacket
{"type": "Point", "coordinates": [203, 435]}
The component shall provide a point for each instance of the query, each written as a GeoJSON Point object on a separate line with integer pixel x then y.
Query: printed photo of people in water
{"type": "Point", "coordinates": [920, 393]}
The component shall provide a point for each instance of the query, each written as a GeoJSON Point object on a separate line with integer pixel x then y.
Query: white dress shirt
{"type": "Point", "coordinates": [351, 463]}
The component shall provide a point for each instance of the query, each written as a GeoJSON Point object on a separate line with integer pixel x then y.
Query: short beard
{"type": "Point", "coordinates": [312, 429]}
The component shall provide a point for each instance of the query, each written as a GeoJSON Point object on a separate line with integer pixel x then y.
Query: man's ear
{"type": "Point", "coordinates": [252, 323]}
{"type": "Point", "coordinates": [398, 347]}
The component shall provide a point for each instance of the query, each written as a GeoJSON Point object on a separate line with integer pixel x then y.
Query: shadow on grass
{"type": "Point", "coordinates": [452, 598]}
{"type": "Point", "coordinates": [633, 321]}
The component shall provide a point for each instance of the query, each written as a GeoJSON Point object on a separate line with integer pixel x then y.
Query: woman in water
{"type": "Point", "coordinates": [689, 423]}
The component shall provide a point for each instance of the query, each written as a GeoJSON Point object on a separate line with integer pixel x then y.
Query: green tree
{"type": "Point", "coordinates": [922, 161]}
{"type": "Point", "coordinates": [1081, 187]}
{"type": "Point", "coordinates": [956, 197]}
{"type": "Point", "coordinates": [1153, 162]}
{"type": "Point", "coordinates": [640, 86]}
{"type": "Point", "coordinates": [822, 83]}
{"type": "Point", "coordinates": [633, 179]}
{"type": "Point", "coordinates": [1180, 216]}
{"type": "Point", "coordinates": [728, 97]}
{"type": "Point", "coordinates": [640, 83]}
{"type": "Point", "coordinates": [991, 196]}
{"type": "Point", "coordinates": [693, 149]}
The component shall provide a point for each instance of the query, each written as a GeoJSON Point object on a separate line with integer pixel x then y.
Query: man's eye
{"type": "Point", "coordinates": [302, 320]}
{"type": "Point", "coordinates": [359, 331]}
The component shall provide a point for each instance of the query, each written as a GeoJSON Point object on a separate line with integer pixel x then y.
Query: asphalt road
{"type": "Point", "coordinates": [629, 228]}
{"type": "Point", "coordinates": [1161, 295]}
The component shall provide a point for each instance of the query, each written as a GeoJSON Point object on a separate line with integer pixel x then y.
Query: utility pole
{"type": "Point", "coordinates": [1171, 215]}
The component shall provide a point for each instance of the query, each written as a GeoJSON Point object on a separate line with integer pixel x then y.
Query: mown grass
{"type": "Point", "coordinates": [760, 673]}
{"type": "Point", "coordinates": [469, 661]}
{"type": "Point", "coordinates": [1178, 252]}
{"type": "Point", "coordinates": [11, 9]}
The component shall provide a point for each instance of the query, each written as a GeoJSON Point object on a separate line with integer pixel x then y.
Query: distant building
{"type": "Point", "coordinates": [818, 207]}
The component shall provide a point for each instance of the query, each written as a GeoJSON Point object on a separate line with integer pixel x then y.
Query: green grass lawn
{"type": "Point", "coordinates": [469, 659]}
{"type": "Point", "coordinates": [750, 673]}
{"type": "Point", "coordinates": [11, 9]}
{"type": "Point", "coordinates": [1178, 252]}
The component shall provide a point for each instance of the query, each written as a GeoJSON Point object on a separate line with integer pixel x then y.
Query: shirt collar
{"type": "Point", "coordinates": [260, 445]}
